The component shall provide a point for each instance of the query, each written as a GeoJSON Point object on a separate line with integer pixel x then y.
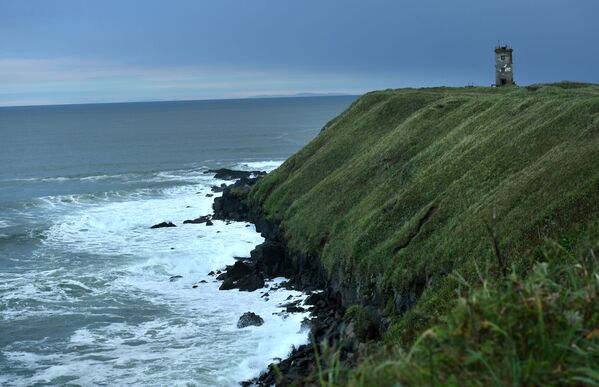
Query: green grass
{"type": "Point", "coordinates": [542, 329]}
{"type": "Point", "coordinates": [358, 194]}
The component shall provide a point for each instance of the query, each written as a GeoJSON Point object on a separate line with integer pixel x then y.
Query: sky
{"type": "Point", "coordinates": [73, 51]}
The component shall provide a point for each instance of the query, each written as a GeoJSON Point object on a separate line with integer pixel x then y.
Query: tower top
{"type": "Point", "coordinates": [503, 48]}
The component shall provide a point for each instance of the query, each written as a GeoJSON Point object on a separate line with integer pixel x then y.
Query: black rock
{"type": "Point", "coordinates": [212, 273]}
{"type": "Point", "coordinates": [209, 195]}
{"type": "Point", "coordinates": [175, 278]}
{"type": "Point", "coordinates": [203, 281]}
{"type": "Point", "coordinates": [293, 307]}
{"type": "Point", "coordinates": [221, 276]}
{"type": "Point", "coordinates": [230, 174]}
{"type": "Point", "coordinates": [227, 284]}
{"type": "Point", "coordinates": [201, 219]}
{"type": "Point", "coordinates": [209, 223]}
{"type": "Point", "coordinates": [238, 270]}
{"type": "Point", "coordinates": [216, 188]}
{"type": "Point", "coordinates": [249, 319]}
{"type": "Point", "coordinates": [164, 224]}
{"type": "Point", "coordinates": [242, 276]}
{"type": "Point", "coordinates": [231, 206]}
{"type": "Point", "coordinates": [306, 324]}
{"type": "Point", "coordinates": [314, 298]}
{"type": "Point", "coordinates": [251, 283]}
{"type": "Point", "coordinates": [271, 259]}
{"type": "Point", "coordinates": [194, 286]}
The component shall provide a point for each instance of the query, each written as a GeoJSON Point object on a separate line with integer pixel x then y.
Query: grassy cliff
{"type": "Point", "coordinates": [409, 187]}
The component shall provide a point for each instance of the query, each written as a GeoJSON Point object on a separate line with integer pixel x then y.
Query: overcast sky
{"type": "Point", "coordinates": [72, 51]}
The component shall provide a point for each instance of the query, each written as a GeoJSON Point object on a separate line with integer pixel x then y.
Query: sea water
{"type": "Point", "coordinates": [86, 289]}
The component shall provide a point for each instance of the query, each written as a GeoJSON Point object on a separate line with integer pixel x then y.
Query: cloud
{"type": "Point", "coordinates": [71, 80]}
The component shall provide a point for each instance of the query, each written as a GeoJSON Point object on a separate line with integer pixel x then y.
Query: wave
{"type": "Point", "coordinates": [266, 166]}
{"type": "Point", "coordinates": [102, 266]}
{"type": "Point", "coordinates": [158, 187]}
{"type": "Point", "coordinates": [185, 338]}
{"type": "Point", "coordinates": [74, 178]}
{"type": "Point", "coordinates": [154, 183]}
{"type": "Point", "coordinates": [184, 173]}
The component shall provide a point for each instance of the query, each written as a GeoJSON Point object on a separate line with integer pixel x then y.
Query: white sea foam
{"type": "Point", "coordinates": [68, 178]}
{"type": "Point", "coordinates": [175, 334]}
{"type": "Point", "coordinates": [267, 166]}
{"type": "Point", "coordinates": [180, 174]}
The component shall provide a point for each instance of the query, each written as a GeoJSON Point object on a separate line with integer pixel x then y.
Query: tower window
{"type": "Point", "coordinates": [503, 57]}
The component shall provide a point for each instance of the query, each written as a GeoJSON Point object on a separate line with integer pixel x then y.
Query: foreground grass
{"type": "Point", "coordinates": [406, 186]}
{"type": "Point", "coordinates": [542, 329]}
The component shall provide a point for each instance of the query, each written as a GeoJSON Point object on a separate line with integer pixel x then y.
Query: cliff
{"type": "Point", "coordinates": [409, 193]}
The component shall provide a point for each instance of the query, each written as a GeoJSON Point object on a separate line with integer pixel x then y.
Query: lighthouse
{"type": "Point", "coordinates": [504, 68]}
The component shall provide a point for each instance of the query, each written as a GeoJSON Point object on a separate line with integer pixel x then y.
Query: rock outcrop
{"type": "Point", "coordinates": [230, 174]}
{"type": "Point", "coordinates": [164, 224]}
{"type": "Point", "coordinates": [201, 219]}
{"type": "Point", "coordinates": [249, 319]}
{"type": "Point", "coordinates": [328, 300]}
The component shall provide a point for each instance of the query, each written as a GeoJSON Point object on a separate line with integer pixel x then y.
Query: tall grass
{"type": "Point", "coordinates": [541, 329]}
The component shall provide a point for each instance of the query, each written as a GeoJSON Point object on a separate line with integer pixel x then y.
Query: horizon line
{"type": "Point", "coordinates": [258, 96]}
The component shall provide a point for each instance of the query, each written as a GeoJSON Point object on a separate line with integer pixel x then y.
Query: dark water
{"type": "Point", "coordinates": [85, 295]}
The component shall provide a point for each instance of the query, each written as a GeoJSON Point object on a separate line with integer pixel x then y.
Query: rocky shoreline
{"type": "Point", "coordinates": [327, 299]}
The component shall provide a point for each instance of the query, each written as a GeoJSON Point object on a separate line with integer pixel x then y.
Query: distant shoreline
{"type": "Point", "coordinates": [251, 98]}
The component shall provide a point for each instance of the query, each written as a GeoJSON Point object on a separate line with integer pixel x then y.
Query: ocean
{"type": "Point", "coordinates": [86, 289]}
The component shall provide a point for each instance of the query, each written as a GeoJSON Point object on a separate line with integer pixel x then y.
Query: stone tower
{"type": "Point", "coordinates": [504, 69]}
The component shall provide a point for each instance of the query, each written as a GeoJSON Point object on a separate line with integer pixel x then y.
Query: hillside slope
{"type": "Point", "coordinates": [406, 187]}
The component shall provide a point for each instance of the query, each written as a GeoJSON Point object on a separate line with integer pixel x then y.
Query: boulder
{"type": "Point", "coordinates": [175, 278]}
{"type": "Point", "coordinates": [249, 319]}
{"type": "Point", "coordinates": [242, 276]}
{"type": "Point", "coordinates": [238, 270]}
{"type": "Point", "coordinates": [209, 223]}
{"type": "Point", "coordinates": [164, 224]}
{"type": "Point", "coordinates": [201, 219]}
